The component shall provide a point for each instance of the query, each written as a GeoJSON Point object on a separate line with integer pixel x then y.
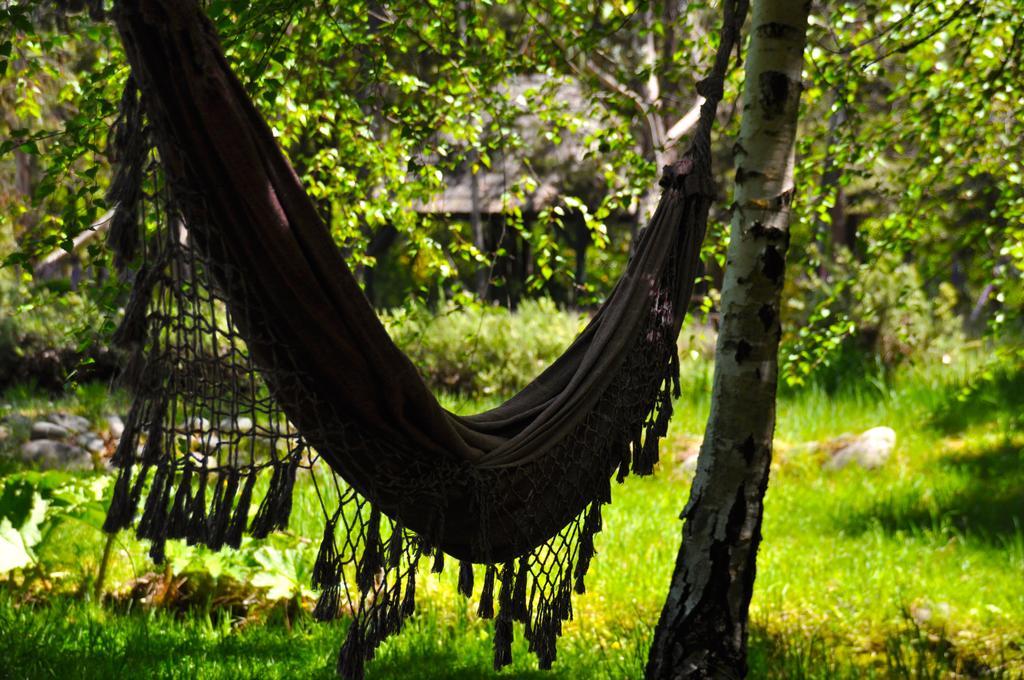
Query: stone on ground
{"type": "Point", "coordinates": [115, 425]}
{"type": "Point", "coordinates": [47, 430]}
{"type": "Point", "coordinates": [91, 442]}
{"type": "Point", "coordinates": [240, 424]}
{"type": "Point", "coordinates": [870, 449]}
{"type": "Point", "coordinates": [52, 455]}
{"type": "Point", "coordinates": [71, 423]}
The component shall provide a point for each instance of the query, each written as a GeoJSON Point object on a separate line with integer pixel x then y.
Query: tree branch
{"type": "Point", "coordinates": [684, 124]}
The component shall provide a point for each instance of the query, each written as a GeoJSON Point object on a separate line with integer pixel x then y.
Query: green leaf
{"type": "Point", "coordinates": [14, 552]}
{"type": "Point", "coordinates": [282, 573]}
{"type": "Point", "coordinates": [22, 510]}
{"type": "Point", "coordinates": [21, 22]}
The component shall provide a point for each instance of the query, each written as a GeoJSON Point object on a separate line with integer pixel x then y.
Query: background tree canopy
{"type": "Point", "coordinates": [562, 111]}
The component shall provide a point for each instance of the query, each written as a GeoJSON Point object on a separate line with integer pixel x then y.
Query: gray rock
{"type": "Point", "coordinates": [197, 424]}
{"type": "Point", "coordinates": [240, 424]}
{"type": "Point", "coordinates": [91, 442]}
{"type": "Point", "coordinates": [45, 430]}
{"type": "Point", "coordinates": [51, 455]}
{"type": "Point", "coordinates": [870, 449]}
{"type": "Point", "coordinates": [71, 423]}
{"type": "Point", "coordinates": [4, 434]}
{"type": "Point", "coordinates": [115, 425]}
{"type": "Point", "coordinates": [275, 430]}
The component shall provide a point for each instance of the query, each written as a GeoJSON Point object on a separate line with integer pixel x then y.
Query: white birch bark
{"type": "Point", "coordinates": [702, 632]}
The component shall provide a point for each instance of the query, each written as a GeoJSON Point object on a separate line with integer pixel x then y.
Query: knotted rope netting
{"type": "Point", "coordinates": [258, 365]}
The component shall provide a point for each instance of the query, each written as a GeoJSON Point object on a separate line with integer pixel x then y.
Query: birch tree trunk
{"type": "Point", "coordinates": [702, 632]}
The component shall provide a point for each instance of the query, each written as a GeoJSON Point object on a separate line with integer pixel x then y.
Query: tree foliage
{"type": "Point", "coordinates": [908, 143]}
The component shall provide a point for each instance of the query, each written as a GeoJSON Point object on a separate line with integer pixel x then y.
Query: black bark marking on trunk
{"type": "Point", "coordinates": [774, 264]}
{"type": "Point", "coordinates": [719, 629]}
{"type": "Point", "coordinates": [776, 89]}
{"type": "Point", "coordinates": [706, 638]}
{"type": "Point", "coordinates": [783, 200]}
{"type": "Point", "coordinates": [770, 233]}
{"type": "Point", "coordinates": [742, 174]}
{"type": "Point", "coordinates": [767, 316]}
{"type": "Point", "coordinates": [748, 448]}
{"type": "Point", "coordinates": [735, 650]}
{"type": "Point", "coordinates": [775, 30]}
{"type": "Point", "coordinates": [743, 350]}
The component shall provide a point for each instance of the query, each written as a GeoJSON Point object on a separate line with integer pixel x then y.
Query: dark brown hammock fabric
{"type": "Point", "coordinates": [262, 375]}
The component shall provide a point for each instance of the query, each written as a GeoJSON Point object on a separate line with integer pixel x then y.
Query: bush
{"type": "Point", "coordinates": [49, 333]}
{"type": "Point", "coordinates": [896, 317]}
{"type": "Point", "coordinates": [487, 350]}
{"type": "Point", "coordinates": [864, 317]}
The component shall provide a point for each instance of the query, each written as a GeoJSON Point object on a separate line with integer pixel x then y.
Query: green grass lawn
{"type": "Point", "coordinates": [912, 570]}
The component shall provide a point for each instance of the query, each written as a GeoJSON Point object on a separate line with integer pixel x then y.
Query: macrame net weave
{"type": "Point", "coordinates": [260, 372]}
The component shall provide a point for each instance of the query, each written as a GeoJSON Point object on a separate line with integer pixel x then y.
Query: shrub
{"type": "Point", "coordinates": [49, 333]}
{"type": "Point", "coordinates": [864, 316]}
{"type": "Point", "coordinates": [487, 350]}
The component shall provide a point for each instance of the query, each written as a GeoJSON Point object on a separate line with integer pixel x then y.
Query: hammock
{"type": "Point", "coordinates": [256, 361]}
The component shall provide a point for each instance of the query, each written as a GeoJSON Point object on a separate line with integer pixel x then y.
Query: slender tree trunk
{"type": "Point", "coordinates": [702, 632]}
{"type": "Point", "coordinates": [25, 171]}
{"type": "Point", "coordinates": [101, 575]}
{"type": "Point", "coordinates": [829, 234]}
{"type": "Point", "coordinates": [648, 201]}
{"type": "Point", "coordinates": [844, 227]}
{"type": "Point", "coordinates": [378, 246]}
{"type": "Point", "coordinates": [476, 224]}
{"type": "Point", "coordinates": [579, 241]}
{"type": "Point", "coordinates": [655, 125]}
